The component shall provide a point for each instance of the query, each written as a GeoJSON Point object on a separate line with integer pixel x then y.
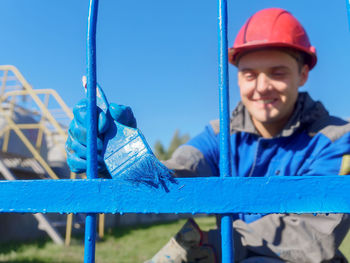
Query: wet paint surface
{"type": "Point", "coordinates": [324, 194]}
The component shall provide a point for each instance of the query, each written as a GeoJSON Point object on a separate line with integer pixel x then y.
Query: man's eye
{"type": "Point", "coordinates": [249, 75]}
{"type": "Point", "coordinates": [278, 74]}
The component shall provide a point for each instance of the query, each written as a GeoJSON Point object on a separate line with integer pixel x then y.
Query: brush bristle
{"type": "Point", "coordinates": [150, 171]}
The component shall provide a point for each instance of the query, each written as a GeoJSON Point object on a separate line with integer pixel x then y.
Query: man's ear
{"type": "Point", "coordinates": [304, 75]}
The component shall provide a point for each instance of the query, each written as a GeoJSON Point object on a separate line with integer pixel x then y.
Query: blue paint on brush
{"type": "Point", "coordinates": [127, 154]}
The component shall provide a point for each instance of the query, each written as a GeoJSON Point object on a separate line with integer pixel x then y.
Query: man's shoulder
{"type": "Point", "coordinates": [315, 119]}
{"type": "Point", "coordinates": [330, 126]}
{"type": "Point", "coordinates": [215, 125]}
{"type": "Point", "coordinates": [240, 121]}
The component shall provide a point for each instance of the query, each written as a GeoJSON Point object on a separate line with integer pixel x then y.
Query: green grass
{"type": "Point", "coordinates": [124, 245]}
{"type": "Point", "coordinates": [345, 246]}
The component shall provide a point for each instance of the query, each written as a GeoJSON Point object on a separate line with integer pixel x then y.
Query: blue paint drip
{"type": "Point", "coordinates": [225, 146]}
{"type": "Point", "coordinates": [90, 224]}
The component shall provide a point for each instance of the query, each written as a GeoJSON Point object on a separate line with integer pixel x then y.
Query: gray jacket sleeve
{"type": "Point", "coordinates": [290, 237]}
{"type": "Point", "coordinates": [187, 161]}
{"type": "Point", "coordinates": [293, 238]}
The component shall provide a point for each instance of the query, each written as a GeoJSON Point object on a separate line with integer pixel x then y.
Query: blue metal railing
{"type": "Point", "coordinates": [190, 195]}
{"type": "Point", "coordinates": [225, 145]}
{"type": "Point", "coordinates": [251, 195]}
{"type": "Point", "coordinates": [225, 151]}
{"type": "Point", "coordinates": [288, 194]}
{"type": "Point", "coordinates": [91, 172]}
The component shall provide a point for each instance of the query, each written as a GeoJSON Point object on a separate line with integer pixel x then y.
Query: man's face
{"type": "Point", "coordinates": [269, 82]}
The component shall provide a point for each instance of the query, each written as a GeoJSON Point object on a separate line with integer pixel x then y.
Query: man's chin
{"type": "Point", "coordinates": [267, 120]}
{"type": "Point", "coordinates": [266, 117]}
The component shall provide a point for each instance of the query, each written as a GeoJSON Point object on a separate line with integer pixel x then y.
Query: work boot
{"type": "Point", "coordinates": [185, 247]}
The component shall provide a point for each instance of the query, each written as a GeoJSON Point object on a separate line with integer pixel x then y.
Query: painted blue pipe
{"type": "Point", "coordinates": [225, 146]}
{"type": "Point", "coordinates": [348, 11]}
{"type": "Point", "coordinates": [91, 172]}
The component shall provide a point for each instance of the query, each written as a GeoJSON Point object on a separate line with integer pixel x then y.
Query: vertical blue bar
{"type": "Point", "coordinates": [348, 11]}
{"type": "Point", "coordinates": [225, 146]}
{"type": "Point", "coordinates": [90, 238]}
{"type": "Point", "coordinates": [91, 172]}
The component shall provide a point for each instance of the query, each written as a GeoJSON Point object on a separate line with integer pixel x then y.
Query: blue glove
{"type": "Point", "coordinates": [122, 114]}
{"type": "Point", "coordinates": [76, 145]}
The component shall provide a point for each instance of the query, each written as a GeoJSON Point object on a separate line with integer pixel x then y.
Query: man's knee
{"type": "Point", "coordinates": [188, 245]}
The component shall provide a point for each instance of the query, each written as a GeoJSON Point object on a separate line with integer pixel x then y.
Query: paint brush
{"type": "Point", "coordinates": [127, 155]}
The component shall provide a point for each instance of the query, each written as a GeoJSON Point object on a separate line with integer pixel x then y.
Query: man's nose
{"type": "Point", "coordinates": [262, 83]}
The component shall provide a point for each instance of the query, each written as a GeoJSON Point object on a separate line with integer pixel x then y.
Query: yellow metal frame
{"type": "Point", "coordinates": [9, 97]}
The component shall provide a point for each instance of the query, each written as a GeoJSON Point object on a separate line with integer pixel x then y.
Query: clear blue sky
{"type": "Point", "coordinates": [160, 56]}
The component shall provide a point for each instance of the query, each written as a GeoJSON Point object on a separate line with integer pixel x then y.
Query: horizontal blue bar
{"type": "Point", "coordinates": [317, 194]}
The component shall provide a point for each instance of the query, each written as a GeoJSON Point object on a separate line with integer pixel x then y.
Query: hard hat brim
{"type": "Point", "coordinates": [234, 53]}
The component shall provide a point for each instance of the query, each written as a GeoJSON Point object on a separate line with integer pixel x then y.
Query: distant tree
{"type": "Point", "coordinates": [176, 141]}
{"type": "Point", "coordinates": [159, 150]}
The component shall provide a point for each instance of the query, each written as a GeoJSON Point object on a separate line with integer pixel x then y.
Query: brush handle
{"type": "Point", "coordinates": [126, 151]}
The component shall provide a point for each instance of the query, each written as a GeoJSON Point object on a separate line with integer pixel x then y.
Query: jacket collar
{"type": "Point", "coordinates": [305, 113]}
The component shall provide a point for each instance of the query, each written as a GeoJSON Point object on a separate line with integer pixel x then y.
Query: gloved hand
{"type": "Point", "coordinates": [76, 145]}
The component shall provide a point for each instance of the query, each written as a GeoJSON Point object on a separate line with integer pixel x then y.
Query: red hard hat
{"type": "Point", "coordinates": [272, 27]}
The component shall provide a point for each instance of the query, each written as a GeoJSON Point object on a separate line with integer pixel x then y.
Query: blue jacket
{"type": "Point", "coordinates": [310, 140]}
{"type": "Point", "coordinates": [311, 143]}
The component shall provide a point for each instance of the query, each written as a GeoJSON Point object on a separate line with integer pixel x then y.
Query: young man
{"type": "Point", "coordinates": [275, 131]}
